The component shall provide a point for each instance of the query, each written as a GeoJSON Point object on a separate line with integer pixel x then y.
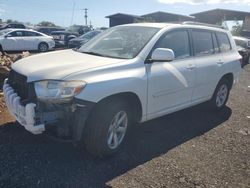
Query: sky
{"type": "Point", "coordinates": [61, 11]}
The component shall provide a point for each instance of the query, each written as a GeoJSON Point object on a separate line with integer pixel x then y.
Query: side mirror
{"type": "Point", "coordinates": [6, 36]}
{"type": "Point", "coordinates": [162, 54]}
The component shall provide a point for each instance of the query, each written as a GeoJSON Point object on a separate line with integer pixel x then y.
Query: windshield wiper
{"type": "Point", "coordinates": [94, 53]}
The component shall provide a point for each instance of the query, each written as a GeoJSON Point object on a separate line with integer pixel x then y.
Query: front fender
{"type": "Point", "coordinates": [112, 83]}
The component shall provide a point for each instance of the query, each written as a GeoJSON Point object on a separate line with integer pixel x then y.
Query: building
{"type": "Point", "coordinates": [215, 16]}
{"type": "Point", "coordinates": [120, 18]}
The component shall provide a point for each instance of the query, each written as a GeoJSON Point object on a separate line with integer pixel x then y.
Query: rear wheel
{"type": "Point", "coordinates": [107, 128]}
{"type": "Point", "coordinates": [221, 95]}
{"type": "Point", "coordinates": [43, 47]}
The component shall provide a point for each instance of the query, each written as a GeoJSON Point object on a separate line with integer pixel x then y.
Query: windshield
{"type": "Point", "coordinates": [90, 34]}
{"type": "Point", "coordinates": [5, 31]}
{"type": "Point", "coordinates": [123, 42]}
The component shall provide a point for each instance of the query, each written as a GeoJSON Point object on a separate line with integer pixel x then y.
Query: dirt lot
{"type": "Point", "coordinates": [191, 148]}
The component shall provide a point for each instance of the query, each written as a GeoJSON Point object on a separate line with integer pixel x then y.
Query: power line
{"type": "Point", "coordinates": [73, 13]}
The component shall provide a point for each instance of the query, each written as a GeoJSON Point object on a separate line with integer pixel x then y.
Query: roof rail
{"type": "Point", "coordinates": [202, 24]}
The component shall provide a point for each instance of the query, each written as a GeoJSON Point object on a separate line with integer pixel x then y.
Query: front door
{"type": "Point", "coordinates": [171, 84]}
{"type": "Point", "coordinates": [14, 41]}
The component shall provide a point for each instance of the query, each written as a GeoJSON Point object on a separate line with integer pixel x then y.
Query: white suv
{"type": "Point", "coordinates": [130, 73]}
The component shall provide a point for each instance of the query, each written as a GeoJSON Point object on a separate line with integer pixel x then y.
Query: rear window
{"type": "Point", "coordinates": [203, 42]}
{"type": "Point", "coordinates": [224, 42]}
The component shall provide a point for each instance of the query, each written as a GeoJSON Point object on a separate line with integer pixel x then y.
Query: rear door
{"type": "Point", "coordinates": [31, 40]}
{"type": "Point", "coordinates": [209, 62]}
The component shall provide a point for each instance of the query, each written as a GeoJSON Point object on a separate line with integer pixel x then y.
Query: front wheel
{"type": "Point", "coordinates": [43, 47]}
{"type": "Point", "coordinates": [221, 95]}
{"type": "Point", "coordinates": [107, 128]}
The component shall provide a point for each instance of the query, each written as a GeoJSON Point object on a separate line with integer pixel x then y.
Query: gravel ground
{"type": "Point", "coordinates": [191, 148]}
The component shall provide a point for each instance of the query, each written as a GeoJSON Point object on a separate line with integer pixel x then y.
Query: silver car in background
{"type": "Point", "coordinates": [24, 40]}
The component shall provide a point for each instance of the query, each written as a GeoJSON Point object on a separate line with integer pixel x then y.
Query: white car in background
{"type": "Point", "coordinates": [25, 39]}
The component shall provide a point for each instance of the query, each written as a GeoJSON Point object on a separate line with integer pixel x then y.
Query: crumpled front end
{"type": "Point", "coordinates": [24, 113]}
{"type": "Point", "coordinates": [57, 119]}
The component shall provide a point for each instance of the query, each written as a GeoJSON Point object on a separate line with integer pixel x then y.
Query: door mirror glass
{"type": "Point", "coordinates": [163, 54]}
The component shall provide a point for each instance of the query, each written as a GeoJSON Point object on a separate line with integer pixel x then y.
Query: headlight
{"type": "Point", "coordinates": [58, 90]}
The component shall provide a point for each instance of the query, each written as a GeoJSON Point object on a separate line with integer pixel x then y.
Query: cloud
{"type": "Point", "coordinates": [196, 2]}
{"type": "Point", "coordinates": [2, 9]}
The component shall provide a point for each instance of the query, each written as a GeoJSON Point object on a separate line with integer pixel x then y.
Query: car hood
{"type": "Point", "coordinates": [60, 64]}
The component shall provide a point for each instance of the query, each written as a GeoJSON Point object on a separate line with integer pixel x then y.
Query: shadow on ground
{"type": "Point", "coordinates": [28, 160]}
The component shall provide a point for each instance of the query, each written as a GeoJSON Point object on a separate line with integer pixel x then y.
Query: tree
{"type": "Point", "coordinates": [47, 24]}
{"type": "Point", "coordinates": [237, 28]}
{"type": "Point", "coordinates": [11, 21]}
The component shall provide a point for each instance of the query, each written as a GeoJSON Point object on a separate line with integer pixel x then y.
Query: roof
{"type": "Point", "coordinates": [167, 14]}
{"type": "Point", "coordinates": [180, 25]}
{"type": "Point", "coordinates": [120, 15]}
{"type": "Point", "coordinates": [19, 29]}
{"type": "Point", "coordinates": [220, 13]}
{"type": "Point", "coordinates": [156, 25]}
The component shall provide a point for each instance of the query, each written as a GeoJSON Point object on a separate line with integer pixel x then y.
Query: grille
{"type": "Point", "coordinates": [19, 83]}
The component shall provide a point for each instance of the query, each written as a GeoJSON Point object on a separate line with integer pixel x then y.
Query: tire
{"type": "Point", "coordinates": [220, 96]}
{"type": "Point", "coordinates": [99, 135]}
{"type": "Point", "coordinates": [43, 47]}
{"type": "Point", "coordinates": [1, 49]}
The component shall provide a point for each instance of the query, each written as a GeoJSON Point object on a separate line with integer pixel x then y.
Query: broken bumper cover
{"type": "Point", "coordinates": [25, 115]}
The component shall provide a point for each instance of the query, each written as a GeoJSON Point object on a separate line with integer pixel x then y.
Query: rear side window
{"type": "Point", "coordinates": [203, 42]}
{"type": "Point", "coordinates": [224, 42]}
{"type": "Point", "coordinates": [17, 34]}
{"type": "Point", "coordinates": [178, 41]}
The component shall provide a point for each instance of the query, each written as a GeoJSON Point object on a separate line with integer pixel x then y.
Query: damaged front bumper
{"type": "Point", "coordinates": [65, 120]}
{"type": "Point", "coordinates": [25, 115]}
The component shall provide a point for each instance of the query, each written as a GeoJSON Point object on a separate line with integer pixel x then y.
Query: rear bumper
{"type": "Point", "coordinates": [25, 115]}
{"type": "Point", "coordinates": [59, 43]}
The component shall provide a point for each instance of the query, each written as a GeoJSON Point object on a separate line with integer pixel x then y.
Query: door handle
{"type": "Point", "coordinates": [191, 67]}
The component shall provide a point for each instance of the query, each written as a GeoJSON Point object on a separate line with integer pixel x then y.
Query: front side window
{"type": "Point", "coordinates": [224, 42]}
{"type": "Point", "coordinates": [203, 42]}
{"type": "Point", "coordinates": [17, 34]}
{"type": "Point", "coordinates": [123, 42]}
{"type": "Point", "coordinates": [178, 41]}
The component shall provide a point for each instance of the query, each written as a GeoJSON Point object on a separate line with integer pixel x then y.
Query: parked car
{"type": "Point", "coordinates": [25, 39]}
{"type": "Point", "coordinates": [12, 25]}
{"type": "Point", "coordinates": [129, 73]}
{"type": "Point", "coordinates": [79, 29]}
{"type": "Point", "coordinates": [49, 30]}
{"type": "Point", "coordinates": [79, 41]}
{"type": "Point", "coordinates": [62, 38]}
{"type": "Point", "coordinates": [243, 46]}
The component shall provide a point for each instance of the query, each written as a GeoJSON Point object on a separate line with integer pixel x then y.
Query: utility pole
{"type": "Point", "coordinates": [86, 16]}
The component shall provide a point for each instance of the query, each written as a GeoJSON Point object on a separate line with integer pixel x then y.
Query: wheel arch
{"type": "Point", "coordinates": [130, 98]}
{"type": "Point", "coordinates": [230, 78]}
{"type": "Point", "coordinates": [42, 42]}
